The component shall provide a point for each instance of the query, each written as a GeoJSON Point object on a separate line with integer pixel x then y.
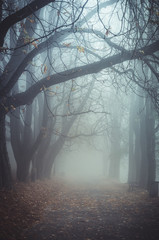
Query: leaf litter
{"type": "Point", "coordinates": [56, 209]}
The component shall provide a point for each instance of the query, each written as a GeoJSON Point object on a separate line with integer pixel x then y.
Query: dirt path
{"type": "Point", "coordinates": [96, 212]}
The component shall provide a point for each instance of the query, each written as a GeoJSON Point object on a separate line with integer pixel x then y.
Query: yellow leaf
{"type": "Point", "coordinates": [25, 31]}
{"type": "Point", "coordinates": [80, 49]}
{"type": "Point", "coordinates": [12, 107]}
{"type": "Point", "coordinates": [141, 51]}
{"type": "Point", "coordinates": [34, 44]}
{"type": "Point", "coordinates": [30, 20]}
{"type": "Point", "coordinates": [45, 68]}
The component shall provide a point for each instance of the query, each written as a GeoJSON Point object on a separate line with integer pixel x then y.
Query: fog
{"type": "Point", "coordinates": [90, 146]}
{"type": "Point", "coordinates": [80, 164]}
{"type": "Point", "coordinates": [85, 165]}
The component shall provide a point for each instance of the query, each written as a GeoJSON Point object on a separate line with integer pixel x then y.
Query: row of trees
{"type": "Point", "coordinates": [44, 47]}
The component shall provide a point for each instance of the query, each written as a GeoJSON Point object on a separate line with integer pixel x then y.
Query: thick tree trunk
{"type": "Point", "coordinates": [41, 155]}
{"type": "Point", "coordinates": [136, 142]}
{"type": "Point", "coordinates": [44, 143]}
{"type": "Point", "coordinates": [28, 155]}
{"type": "Point", "coordinates": [45, 168]}
{"type": "Point", "coordinates": [5, 170]}
{"type": "Point", "coordinates": [21, 142]}
{"type": "Point", "coordinates": [23, 169]}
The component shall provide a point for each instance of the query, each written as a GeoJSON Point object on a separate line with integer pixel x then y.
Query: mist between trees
{"type": "Point", "coordinates": [79, 90]}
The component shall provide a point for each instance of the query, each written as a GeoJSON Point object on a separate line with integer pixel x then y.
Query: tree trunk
{"type": "Point", "coordinates": [23, 169]}
{"type": "Point", "coordinates": [115, 149]}
{"type": "Point", "coordinates": [150, 123]}
{"type": "Point", "coordinates": [136, 145]}
{"type": "Point", "coordinates": [5, 170]}
{"type": "Point", "coordinates": [114, 169]}
{"type": "Point", "coordinates": [45, 169]}
{"type": "Point", "coordinates": [131, 170]}
{"type": "Point", "coordinates": [144, 159]}
{"type": "Point", "coordinates": [21, 143]}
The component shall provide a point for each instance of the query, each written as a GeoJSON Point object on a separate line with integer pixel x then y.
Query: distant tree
{"type": "Point", "coordinates": [142, 163]}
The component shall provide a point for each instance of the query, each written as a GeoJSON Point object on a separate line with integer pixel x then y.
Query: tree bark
{"type": "Point", "coordinates": [5, 170]}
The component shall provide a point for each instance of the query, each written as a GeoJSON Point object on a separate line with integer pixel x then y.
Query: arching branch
{"type": "Point", "coordinates": [28, 96]}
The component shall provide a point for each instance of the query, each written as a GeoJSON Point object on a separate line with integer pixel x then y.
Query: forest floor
{"type": "Point", "coordinates": [60, 210]}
